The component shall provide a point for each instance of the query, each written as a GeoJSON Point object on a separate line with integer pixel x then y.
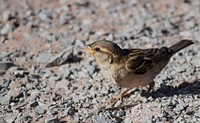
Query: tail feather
{"type": "Point", "coordinates": [180, 45]}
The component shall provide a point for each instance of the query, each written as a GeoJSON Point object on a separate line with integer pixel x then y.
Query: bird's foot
{"type": "Point", "coordinates": [120, 97]}
{"type": "Point", "coordinates": [146, 94]}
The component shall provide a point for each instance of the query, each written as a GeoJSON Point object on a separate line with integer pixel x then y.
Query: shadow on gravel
{"type": "Point", "coordinates": [73, 59]}
{"type": "Point", "coordinates": [183, 89]}
{"type": "Point", "coordinates": [63, 121]}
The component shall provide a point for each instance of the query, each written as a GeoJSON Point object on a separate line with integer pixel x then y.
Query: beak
{"type": "Point", "coordinates": [90, 50]}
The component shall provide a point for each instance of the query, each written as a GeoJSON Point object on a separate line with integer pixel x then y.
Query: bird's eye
{"type": "Point", "coordinates": [97, 49]}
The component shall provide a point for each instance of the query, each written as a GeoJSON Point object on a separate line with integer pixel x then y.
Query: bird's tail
{"type": "Point", "coordinates": [180, 45]}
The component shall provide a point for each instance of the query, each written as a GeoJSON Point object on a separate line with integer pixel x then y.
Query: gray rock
{"type": "Point", "coordinates": [71, 111]}
{"type": "Point", "coordinates": [48, 36]}
{"type": "Point", "coordinates": [105, 90]}
{"type": "Point", "coordinates": [54, 78]}
{"type": "Point", "coordinates": [5, 100]}
{"type": "Point", "coordinates": [6, 83]}
{"type": "Point", "coordinates": [13, 69]}
{"type": "Point", "coordinates": [39, 110]}
{"type": "Point", "coordinates": [79, 43]}
{"type": "Point", "coordinates": [6, 15]}
{"type": "Point", "coordinates": [90, 68]}
{"type": "Point", "coordinates": [65, 19]}
{"type": "Point", "coordinates": [98, 119]}
{"type": "Point", "coordinates": [195, 61]}
{"type": "Point", "coordinates": [45, 15]}
{"type": "Point", "coordinates": [20, 73]}
{"type": "Point", "coordinates": [10, 118]}
{"type": "Point", "coordinates": [53, 110]}
{"type": "Point", "coordinates": [120, 113]}
{"type": "Point", "coordinates": [44, 57]}
{"type": "Point", "coordinates": [52, 120]}
{"type": "Point", "coordinates": [6, 29]}
{"type": "Point", "coordinates": [4, 55]}
{"type": "Point", "coordinates": [110, 37]}
{"type": "Point", "coordinates": [46, 73]}
{"type": "Point", "coordinates": [86, 105]}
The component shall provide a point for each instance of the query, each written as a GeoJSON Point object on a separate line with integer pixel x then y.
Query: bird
{"type": "Point", "coordinates": [129, 68]}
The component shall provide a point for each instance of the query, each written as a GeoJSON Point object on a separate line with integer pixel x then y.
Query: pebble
{"type": "Point", "coordinates": [44, 57]}
{"type": "Point", "coordinates": [6, 15]}
{"type": "Point", "coordinates": [6, 29]}
{"type": "Point", "coordinates": [39, 110]}
{"type": "Point", "coordinates": [6, 83]}
{"type": "Point", "coordinates": [52, 120]}
{"type": "Point", "coordinates": [71, 111]}
{"type": "Point", "coordinates": [5, 100]}
{"type": "Point", "coordinates": [20, 73]}
{"type": "Point", "coordinates": [10, 118]}
{"type": "Point", "coordinates": [45, 15]}
{"type": "Point", "coordinates": [98, 119]}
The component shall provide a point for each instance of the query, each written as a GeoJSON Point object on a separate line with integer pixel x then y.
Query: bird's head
{"type": "Point", "coordinates": [104, 51]}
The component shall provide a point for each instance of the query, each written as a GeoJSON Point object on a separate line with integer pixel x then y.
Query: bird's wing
{"type": "Point", "coordinates": [141, 60]}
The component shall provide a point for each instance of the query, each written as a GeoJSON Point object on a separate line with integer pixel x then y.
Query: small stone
{"type": "Point", "coordinates": [48, 36]}
{"type": "Point", "coordinates": [120, 113]}
{"type": "Point", "coordinates": [52, 120]}
{"type": "Point", "coordinates": [6, 83]}
{"type": "Point", "coordinates": [98, 119]}
{"type": "Point", "coordinates": [105, 90]}
{"type": "Point", "coordinates": [195, 61]}
{"type": "Point", "coordinates": [20, 73]}
{"type": "Point", "coordinates": [39, 110]}
{"type": "Point", "coordinates": [6, 29]}
{"type": "Point", "coordinates": [86, 105]}
{"type": "Point", "coordinates": [71, 111]}
{"type": "Point", "coordinates": [44, 57]}
{"type": "Point", "coordinates": [110, 37]}
{"type": "Point", "coordinates": [6, 15]}
{"type": "Point", "coordinates": [45, 15]}
{"type": "Point", "coordinates": [90, 69]}
{"type": "Point", "coordinates": [53, 110]}
{"type": "Point", "coordinates": [14, 92]}
{"type": "Point", "coordinates": [4, 55]}
{"type": "Point", "coordinates": [5, 100]}
{"type": "Point", "coordinates": [65, 19]}
{"type": "Point", "coordinates": [13, 69]}
{"type": "Point", "coordinates": [10, 118]}
{"type": "Point", "coordinates": [79, 43]}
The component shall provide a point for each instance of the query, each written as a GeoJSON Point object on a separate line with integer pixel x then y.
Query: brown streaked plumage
{"type": "Point", "coordinates": [133, 67]}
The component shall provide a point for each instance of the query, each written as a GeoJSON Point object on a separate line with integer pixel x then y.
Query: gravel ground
{"type": "Point", "coordinates": [45, 76]}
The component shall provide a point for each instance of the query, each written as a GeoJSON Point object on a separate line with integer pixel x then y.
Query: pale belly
{"type": "Point", "coordinates": [131, 79]}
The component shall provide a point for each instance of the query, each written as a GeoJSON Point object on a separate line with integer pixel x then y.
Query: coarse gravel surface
{"type": "Point", "coordinates": [47, 77]}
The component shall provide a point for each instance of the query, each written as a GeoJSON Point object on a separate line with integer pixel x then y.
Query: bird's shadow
{"type": "Point", "coordinates": [183, 89]}
{"type": "Point", "coordinates": [73, 59]}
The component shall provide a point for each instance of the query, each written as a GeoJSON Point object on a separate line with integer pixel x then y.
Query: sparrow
{"type": "Point", "coordinates": [131, 68]}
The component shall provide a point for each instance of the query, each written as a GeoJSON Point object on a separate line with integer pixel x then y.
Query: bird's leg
{"type": "Point", "coordinates": [151, 86]}
{"type": "Point", "coordinates": [121, 96]}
